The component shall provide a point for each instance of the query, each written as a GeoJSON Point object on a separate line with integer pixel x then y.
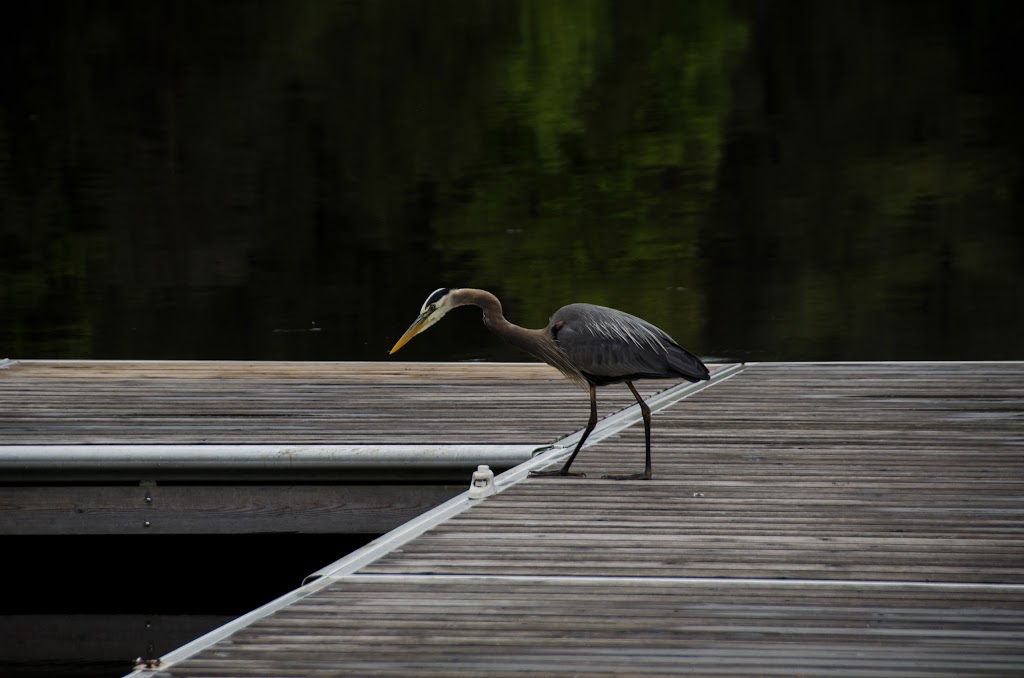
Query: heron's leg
{"type": "Point", "coordinates": [591, 423]}
{"type": "Point", "coordinates": [645, 411]}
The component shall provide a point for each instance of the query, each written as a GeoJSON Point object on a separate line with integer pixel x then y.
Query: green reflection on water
{"type": "Point", "coordinates": [609, 189]}
{"type": "Point", "coordinates": [765, 181]}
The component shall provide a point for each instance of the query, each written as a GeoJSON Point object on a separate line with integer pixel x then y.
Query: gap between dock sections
{"type": "Point", "coordinates": [880, 584]}
{"type": "Point", "coordinates": [609, 426]}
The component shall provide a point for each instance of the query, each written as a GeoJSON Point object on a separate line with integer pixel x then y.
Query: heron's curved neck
{"type": "Point", "coordinates": [537, 343]}
{"type": "Point", "coordinates": [495, 320]}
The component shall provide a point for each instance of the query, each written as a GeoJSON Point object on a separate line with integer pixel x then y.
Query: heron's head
{"type": "Point", "coordinates": [437, 304]}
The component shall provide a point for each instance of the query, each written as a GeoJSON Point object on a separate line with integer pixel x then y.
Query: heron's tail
{"type": "Point", "coordinates": [686, 364]}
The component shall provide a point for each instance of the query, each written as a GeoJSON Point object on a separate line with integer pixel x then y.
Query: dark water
{"type": "Point", "coordinates": [765, 180]}
{"type": "Point", "coordinates": [87, 606]}
{"type": "Point", "coordinates": [790, 180]}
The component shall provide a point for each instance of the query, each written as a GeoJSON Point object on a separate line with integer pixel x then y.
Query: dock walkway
{"type": "Point", "coordinates": [192, 447]}
{"type": "Point", "coordinates": [805, 519]}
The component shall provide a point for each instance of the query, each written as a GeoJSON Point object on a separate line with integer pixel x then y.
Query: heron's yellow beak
{"type": "Point", "coordinates": [418, 326]}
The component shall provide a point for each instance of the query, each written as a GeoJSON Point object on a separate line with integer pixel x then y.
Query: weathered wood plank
{"type": "Point", "coordinates": [500, 626]}
{"type": "Point", "coordinates": [88, 403]}
{"type": "Point", "coordinates": [208, 509]}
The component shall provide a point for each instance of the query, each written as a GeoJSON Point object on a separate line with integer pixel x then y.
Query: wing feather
{"type": "Point", "coordinates": [612, 345]}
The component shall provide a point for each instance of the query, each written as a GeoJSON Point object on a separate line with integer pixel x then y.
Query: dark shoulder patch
{"type": "Point", "coordinates": [556, 328]}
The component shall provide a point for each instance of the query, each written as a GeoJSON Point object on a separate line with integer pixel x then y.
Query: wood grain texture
{"type": "Point", "coordinates": [440, 626]}
{"type": "Point", "coordinates": [779, 472]}
{"type": "Point", "coordinates": [215, 509]}
{"type": "Point", "coordinates": [96, 402]}
{"type": "Point", "coordinates": [813, 520]}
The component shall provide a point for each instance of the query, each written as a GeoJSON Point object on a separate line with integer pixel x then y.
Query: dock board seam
{"type": "Point", "coordinates": [690, 581]}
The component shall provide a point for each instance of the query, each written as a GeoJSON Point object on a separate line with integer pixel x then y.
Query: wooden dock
{"type": "Point", "coordinates": [805, 519]}
{"type": "Point", "coordinates": [157, 447]}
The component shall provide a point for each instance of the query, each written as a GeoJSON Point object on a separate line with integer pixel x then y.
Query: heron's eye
{"type": "Point", "coordinates": [433, 307]}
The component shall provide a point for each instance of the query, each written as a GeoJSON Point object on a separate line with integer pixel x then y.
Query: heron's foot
{"type": "Point", "coordinates": [644, 475]}
{"type": "Point", "coordinates": [555, 474]}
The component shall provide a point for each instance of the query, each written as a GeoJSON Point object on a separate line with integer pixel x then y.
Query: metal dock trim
{"type": "Point", "coordinates": [221, 632]}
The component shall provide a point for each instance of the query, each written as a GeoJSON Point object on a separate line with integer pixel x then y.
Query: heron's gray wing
{"type": "Point", "coordinates": [615, 346]}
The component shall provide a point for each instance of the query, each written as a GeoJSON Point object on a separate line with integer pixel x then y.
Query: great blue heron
{"type": "Point", "coordinates": [591, 345]}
